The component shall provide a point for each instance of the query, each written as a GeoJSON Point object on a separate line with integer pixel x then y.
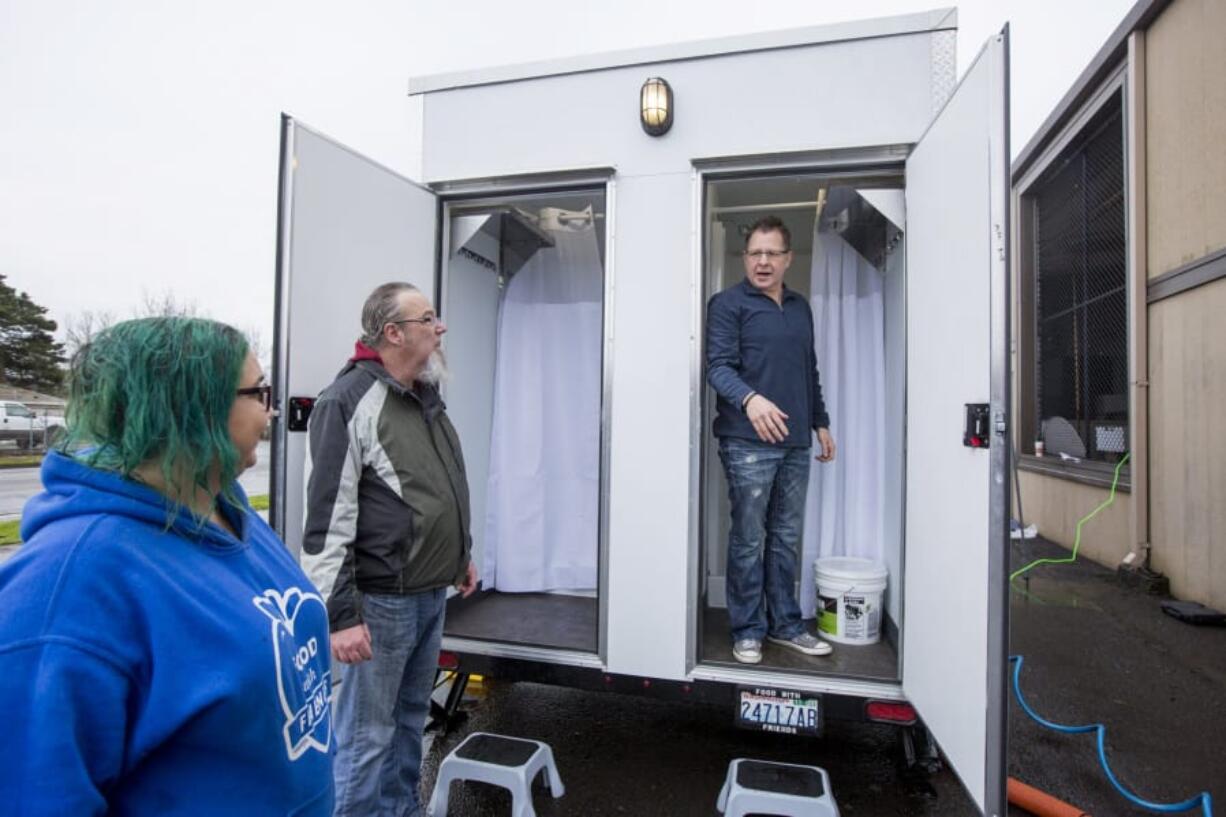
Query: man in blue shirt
{"type": "Point", "coordinates": [762, 365]}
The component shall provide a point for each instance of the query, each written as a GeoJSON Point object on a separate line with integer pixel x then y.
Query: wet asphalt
{"type": "Point", "coordinates": [624, 755]}
{"type": "Point", "coordinates": [1094, 651]}
{"type": "Point", "coordinates": [1097, 652]}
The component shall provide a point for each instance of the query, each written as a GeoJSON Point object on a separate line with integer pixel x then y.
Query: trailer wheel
{"type": "Point", "coordinates": [24, 443]}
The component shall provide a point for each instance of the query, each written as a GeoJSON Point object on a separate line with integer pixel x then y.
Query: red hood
{"type": "Point", "coordinates": [363, 352]}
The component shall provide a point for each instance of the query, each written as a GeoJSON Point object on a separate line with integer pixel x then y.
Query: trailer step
{"type": "Point", "coordinates": [512, 763]}
{"type": "Point", "coordinates": [786, 789]}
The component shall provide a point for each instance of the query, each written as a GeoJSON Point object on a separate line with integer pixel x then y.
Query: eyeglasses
{"type": "Point", "coordinates": [769, 255]}
{"type": "Point", "coordinates": [262, 393]}
{"type": "Point", "coordinates": [424, 320]}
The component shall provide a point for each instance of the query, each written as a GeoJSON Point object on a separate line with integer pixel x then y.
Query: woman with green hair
{"type": "Point", "coordinates": [161, 652]}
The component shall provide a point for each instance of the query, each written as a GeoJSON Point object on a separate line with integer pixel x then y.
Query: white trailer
{"type": "Point", "coordinates": [571, 254]}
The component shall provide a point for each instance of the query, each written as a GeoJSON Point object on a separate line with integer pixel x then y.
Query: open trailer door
{"type": "Point", "coordinates": [956, 592]}
{"type": "Point", "coordinates": [345, 225]}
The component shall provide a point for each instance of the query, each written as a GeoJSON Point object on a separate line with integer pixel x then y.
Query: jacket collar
{"type": "Point", "coordinates": [751, 290]}
{"type": "Point", "coordinates": [424, 394]}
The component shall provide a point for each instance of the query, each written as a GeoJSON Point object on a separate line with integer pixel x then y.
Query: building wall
{"type": "Point", "coordinates": [1055, 505]}
{"type": "Point", "coordinates": [1186, 180]}
{"type": "Point", "coordinates": [1185, 200]}
{"type": "Point", "coordinates": [1184, 123]}
{"type": "Point", "coordinates": [1187, 443]}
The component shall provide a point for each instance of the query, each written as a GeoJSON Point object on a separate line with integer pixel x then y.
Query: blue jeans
{"type": "Point", "coordinates": [381, 706]}
{"type": "Point", "coordinates": [766, 488]}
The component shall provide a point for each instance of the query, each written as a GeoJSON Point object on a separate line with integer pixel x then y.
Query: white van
{"type": "Point", "coordinates": [572, 252]}
{"type": "Point", "coordinates": [23, 426]}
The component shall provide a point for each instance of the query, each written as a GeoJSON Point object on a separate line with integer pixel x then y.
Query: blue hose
{"type": "Point", "coordinates": [1203, 799]}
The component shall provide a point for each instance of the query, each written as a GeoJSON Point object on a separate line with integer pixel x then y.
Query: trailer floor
{"type": "Point", "coordinates": [534, 619]}
{"type": "Point", "coordinates": [875, 662]}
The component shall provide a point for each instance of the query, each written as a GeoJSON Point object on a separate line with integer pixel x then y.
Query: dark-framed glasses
{"type": "Point", "coordinates": [262, 393]}
{"type": "Point", "coordinates": [424, 320]}
{"type": "Point", "coordinates": [769, 255]}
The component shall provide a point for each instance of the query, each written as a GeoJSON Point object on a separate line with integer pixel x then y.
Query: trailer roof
{"type": "Point", "coordinates": [936, 20]}
{"type": "Point", "coordinates": [1100, 68]}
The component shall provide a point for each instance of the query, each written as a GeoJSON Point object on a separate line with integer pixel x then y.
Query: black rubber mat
{"type": "Point", "coordinates": [531, 619]}
{"type": "Point", "coordinates": [497, 749]}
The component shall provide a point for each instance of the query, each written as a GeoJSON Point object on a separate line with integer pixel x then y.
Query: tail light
{"type": "Point", "coordinates": [899, 712]}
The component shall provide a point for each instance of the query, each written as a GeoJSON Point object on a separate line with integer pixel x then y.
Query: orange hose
{"type": "Point", "coordinates": [1040, 803]}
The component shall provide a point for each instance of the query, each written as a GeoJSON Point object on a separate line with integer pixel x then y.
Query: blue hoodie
{"type": "Point", "coordinates": [146, 671]}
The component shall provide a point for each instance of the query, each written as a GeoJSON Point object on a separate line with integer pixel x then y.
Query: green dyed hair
{"type": "Point", "coordinates": [158, 390]}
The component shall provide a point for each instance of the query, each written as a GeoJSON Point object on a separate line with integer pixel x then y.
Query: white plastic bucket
{"type": "Point", "coordinates": [849, 599]}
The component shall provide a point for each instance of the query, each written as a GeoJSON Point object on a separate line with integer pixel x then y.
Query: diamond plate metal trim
{"type": "Point", "coordinates": [943, 50]}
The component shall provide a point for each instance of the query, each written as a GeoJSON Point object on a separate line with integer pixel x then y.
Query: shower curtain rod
{"type": "Point", "coordinates": [480, 209]}
{"type": "Point", "coordinates": [758, 208]}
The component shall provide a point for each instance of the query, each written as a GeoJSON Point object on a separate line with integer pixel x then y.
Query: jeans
{"type": "Point", "coordinates": [766, 488]}
{"type": "Point", "coordinates": [381, 706]}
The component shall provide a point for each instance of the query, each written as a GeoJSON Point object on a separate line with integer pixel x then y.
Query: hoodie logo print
{"type": "Point", "coordinates": [304, 677]}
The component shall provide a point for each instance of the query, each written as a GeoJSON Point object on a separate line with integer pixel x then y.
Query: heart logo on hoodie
{"type": "Point", "coordinates": [304, 676]}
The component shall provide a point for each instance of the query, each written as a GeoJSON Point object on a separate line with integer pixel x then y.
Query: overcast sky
{"type": "Point", "coordinates": [139, 138]}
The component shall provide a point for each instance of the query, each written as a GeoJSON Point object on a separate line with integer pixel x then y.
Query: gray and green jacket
{"type": "Point", "coordinates": [387, 496]}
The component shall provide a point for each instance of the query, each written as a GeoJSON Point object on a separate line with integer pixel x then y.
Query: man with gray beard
{"type": "Point", "coordinates": [387, 532]}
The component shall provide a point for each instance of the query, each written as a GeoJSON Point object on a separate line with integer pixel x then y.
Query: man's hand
{"type": "Point", "coordinates": [827, 443]}
{"type": "Point", "coordinates": [352, 644]}
{"type": "Point", "coordinates": [767, 419]}
{"type": "Point", "coordinates": [469, 583]}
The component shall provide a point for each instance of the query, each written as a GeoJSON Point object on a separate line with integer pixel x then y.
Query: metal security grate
{"type": "Point", "coordinates": [1081, 329]}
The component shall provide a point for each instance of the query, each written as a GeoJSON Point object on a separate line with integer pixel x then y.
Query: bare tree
{"type": "Point", "coordinates": [259, 348]}
{"type": "Point", "coordinates": [164, 304]}
{"type": "Point", "coordinates": [80, 328]}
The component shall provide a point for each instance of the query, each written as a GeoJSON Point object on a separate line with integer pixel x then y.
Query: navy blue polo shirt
{"type": "Point", "coordinates": [757, 345]}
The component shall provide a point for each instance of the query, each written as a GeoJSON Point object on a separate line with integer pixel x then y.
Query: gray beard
{"type": "Point", "coordinates": [436, 370]}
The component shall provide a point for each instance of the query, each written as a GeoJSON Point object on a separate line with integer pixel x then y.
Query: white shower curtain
{"type": "Point", "coordinates": [542, 518]}
{"type": "Point", "coordinates": [844, 514]}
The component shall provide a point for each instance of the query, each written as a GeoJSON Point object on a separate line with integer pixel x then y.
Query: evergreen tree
{"type": "Point", "coordinates": [30, 357]}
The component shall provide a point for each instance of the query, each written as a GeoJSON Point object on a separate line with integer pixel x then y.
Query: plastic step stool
{"type": "Point", "coordinates": [512, 763]}
{"type": "Point", "coordinates": [786, 789]}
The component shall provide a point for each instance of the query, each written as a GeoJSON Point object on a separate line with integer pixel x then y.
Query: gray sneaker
{"type": "Point", "coordinates": [747, 651]}
{"type": "Point", "coordinates": [804, 642]}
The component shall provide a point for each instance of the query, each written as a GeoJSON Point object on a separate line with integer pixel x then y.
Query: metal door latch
{"type": "Point", "coordinates": [299, 413]}
{"type": "Point", "coordinates": [976, 434]}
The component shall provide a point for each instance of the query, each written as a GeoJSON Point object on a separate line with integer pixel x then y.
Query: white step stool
{"type": "Point", "coordinates": [512, 763]}
{"type": "Point", "coordinates": [786, 789]}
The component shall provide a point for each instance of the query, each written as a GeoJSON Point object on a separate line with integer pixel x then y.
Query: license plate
{"type": "Point", "coordinates": [767, 709]}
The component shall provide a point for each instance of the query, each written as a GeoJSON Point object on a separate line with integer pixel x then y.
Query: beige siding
{"type": "Point", "coordinates": [1185, 127]}
{"type": "Point", "coordinates": [1056, 505]}
{"type": "Point", "coordinates": [1187, 444]}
